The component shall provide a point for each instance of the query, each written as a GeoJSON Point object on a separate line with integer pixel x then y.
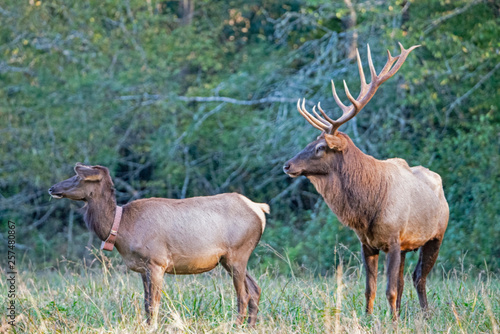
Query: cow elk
{"type": "Point", "coordinates": [173, 236]}
{"type": "Point", "coordinates": [392, 207]}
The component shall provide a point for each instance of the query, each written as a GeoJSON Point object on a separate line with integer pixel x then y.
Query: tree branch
{"type": "Point", "coordinates": [235, 101]}
{"type": "Point", "coordinates": [466, 95]}
{"type": "Point", "coordinates": [350, 24]}
{"type": "Point", "coordinates": [453, 13]}
{"type": "Point", "coordinates": [41, 220]}
{"type": "Point", "coordinates": [131, 190]}
{"type": "Point", "coordinates": [155, 97]}
{"type": "Point", "coordinates": [4, 68]}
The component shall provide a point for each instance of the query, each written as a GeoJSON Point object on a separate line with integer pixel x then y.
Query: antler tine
{"type": "Point", "coordinates": [349, 112]}
{"type": "Point", "coordinates": [312, 118]}
{"type": "Point", "coordinates": [324, 114]}
{"type": "Point", "coordinates": [305, 115]}
{"type": "Point", "coordinates": [373, 73]}
{"type": "Point", "coordinates": [401, 59]}
{"type": "Point", "coordinates": [388, 65]}
{"type": "Point", "coordinates": [314, 122]}
{"type": "Point", "coordinates": [319, 118]}
{"type": "Point", "coordinates": [364, 85]}
{"type": "Point", "coordinates": [351, 98]}
{"type": "Point", "coordinates": [337, 100]}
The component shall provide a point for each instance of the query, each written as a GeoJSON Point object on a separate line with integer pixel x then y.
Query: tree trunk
{"type": "Point", "coordinates": [352, 38]}
{"type": "Point", "coordinates": [187, 8]}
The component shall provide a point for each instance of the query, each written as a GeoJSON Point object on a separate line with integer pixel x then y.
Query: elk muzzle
{"type": "Point", "coordinates": [70, 188]}
{"type": "Point", "coordinates": [290, 168]}
{"type": "Point", "coordinates": [53, 192]}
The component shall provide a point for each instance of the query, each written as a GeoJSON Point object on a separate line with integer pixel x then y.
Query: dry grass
{"type": "Point", "coordinates": [107, 299]}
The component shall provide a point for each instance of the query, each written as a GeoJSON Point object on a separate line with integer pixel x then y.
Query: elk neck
{"type": "Point", "coordinates": [99, 212]}
{"type": "Point", "coordinates": [355, 189]}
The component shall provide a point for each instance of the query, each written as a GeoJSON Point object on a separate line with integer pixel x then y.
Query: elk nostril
{"type": "Point", "coordinates": [286, 167]}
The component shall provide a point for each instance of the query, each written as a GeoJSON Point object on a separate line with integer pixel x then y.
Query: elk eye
{"type": "Point", "coordinates": [320, 148]}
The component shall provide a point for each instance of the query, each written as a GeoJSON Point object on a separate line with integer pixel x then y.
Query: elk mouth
{"type": "Point", "coordinates": [294, 174]}
{"type": "Point", "coordinates": [55, 195]}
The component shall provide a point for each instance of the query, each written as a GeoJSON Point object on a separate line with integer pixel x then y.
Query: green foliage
{"type": "Point", "coordinates": [116, 83]}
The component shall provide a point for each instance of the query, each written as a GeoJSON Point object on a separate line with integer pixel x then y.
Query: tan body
{"type": "Point", "coordinates": [423, 210]}
{"type": "Point", "coordinates": [188, 236]}
{"type": "Point", "coordinates": [174, 236]}
{"type": "Point", "coordinates": [392, 208]}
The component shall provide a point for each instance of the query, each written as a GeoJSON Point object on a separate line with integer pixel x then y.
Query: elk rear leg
{"type": "Point", "coordinates": [370, 259]}
{"type": "Point", "coordinates": [238, 273]}
{"type": "Point", "coordinates": [401, 281]}
{"type": "Point", "coordinates": [152, 280]}
{"type": "Point", "coordinates": [253, 305]}
{"type": "Point", "coordinates": [428, 255]}
{"type": "Point", "coordinates": [393, 268]}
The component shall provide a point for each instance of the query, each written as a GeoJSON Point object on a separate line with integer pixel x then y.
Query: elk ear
{"type": "Point", "coordinates": [335, 142]}
{"type": "Point", "coordinates": [88, 173]}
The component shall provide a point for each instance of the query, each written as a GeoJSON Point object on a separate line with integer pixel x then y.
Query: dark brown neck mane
{"type": "Point", "coordinates": [99, 212]}
{"type": "Point", "coordinates": [355, 189]}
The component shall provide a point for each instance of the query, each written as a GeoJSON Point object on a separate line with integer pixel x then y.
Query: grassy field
{"type": "Point", "coordinates": [101, 297]}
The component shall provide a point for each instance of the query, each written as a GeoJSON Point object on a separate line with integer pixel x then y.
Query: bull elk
{"type": "Point", "coordinates": [392, 207]}
{"type": "Point", "coordinates": [173, 236]}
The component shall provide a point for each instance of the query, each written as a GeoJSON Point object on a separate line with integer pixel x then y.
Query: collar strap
{"type": "Point", "coordinates": [109, 243]}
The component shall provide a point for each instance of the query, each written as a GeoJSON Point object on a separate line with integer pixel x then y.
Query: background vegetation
{"type": "Point", "coordinates": [189, 98]}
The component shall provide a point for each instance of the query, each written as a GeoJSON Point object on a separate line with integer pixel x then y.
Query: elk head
{"type": "Point", "coordinates": [318, 157]}
{"type": "Point", "coordinates": [83, 185]}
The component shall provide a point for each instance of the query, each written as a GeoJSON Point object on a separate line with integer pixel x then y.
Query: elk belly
{"type": "Point", "coordinates": [409, 245]}
{"type": "Point", "coordinates": [411, 241]}
{"type": "Point", "coordinates": [193, 263]}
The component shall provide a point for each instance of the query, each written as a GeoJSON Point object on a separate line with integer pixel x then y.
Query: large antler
{"type": "Point", "coordinates": [367, 91]}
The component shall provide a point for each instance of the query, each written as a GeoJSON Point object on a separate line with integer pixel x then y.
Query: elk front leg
{"type": "Point", "coordinates": [370, 259]}
{"type": "Point", "coordinates": [393, 267]}
{"type": "Point", "coordinates": [152, 280]}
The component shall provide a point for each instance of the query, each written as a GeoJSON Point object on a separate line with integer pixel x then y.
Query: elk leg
{"type": "Point", "coordinates": [401, 281]}
{"type": "Point", "coordinates": [238, 273]}
{"type": "Point", "coordinates": [393, 264]}
{"type": "Point", "coordinates": [152, 280]}
{"type": "Point", "coordinates": [428, 255]}
{"type": "Point", "coordinates": [253, 304]}
{"type": "Point", "coordinates": [370, 259]}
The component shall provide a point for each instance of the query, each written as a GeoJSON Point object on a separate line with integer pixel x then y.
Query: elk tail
{"type": "Point", "coordinates": [264, 207]}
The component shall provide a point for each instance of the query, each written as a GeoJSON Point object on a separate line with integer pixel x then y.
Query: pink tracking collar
{"type": "Point", "coordinates": [109, 243]}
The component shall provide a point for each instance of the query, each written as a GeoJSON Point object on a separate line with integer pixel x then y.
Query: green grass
{"type": "Point", "coordinates": [106, 298]}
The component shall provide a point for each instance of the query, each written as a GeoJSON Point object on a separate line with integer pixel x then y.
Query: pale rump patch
{"type": "Point", "coordinates": [259, 209]}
